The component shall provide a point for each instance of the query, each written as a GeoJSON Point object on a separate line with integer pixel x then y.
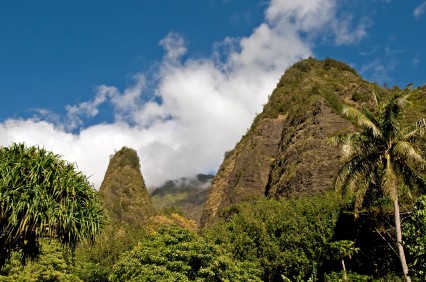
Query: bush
{"type": "Point", "coordinates": [350, 276]}
{"type": "Point", "coordinates": [176, 254]}
{"type": "Point", "coordinates": [54, 265]}
{"type": "Point", "coordinates": [286, 237]}
{"type": "Point", "coordinates": [414, 229]}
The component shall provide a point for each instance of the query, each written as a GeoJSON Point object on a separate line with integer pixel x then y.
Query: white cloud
{"type": "Point", "coordinates": [319, 18]}
{"type": "Point", "coordinates": [306, 15]}
{"type": "Point", "coordinates": [90, 149]}
{"type": "Point", "coordinates": [199, 108]}
{"type": "Point", "coordinates": [174, 45]}
{"type": "Point", "coordinates": [89, 108]}
{"type": "Point", "coordinates": [419, 10]}
{"type": "Point", "coordinates": [346, 34]}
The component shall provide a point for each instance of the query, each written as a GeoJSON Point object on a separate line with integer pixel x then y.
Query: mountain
{"type": "Point", "coordinates": [123, 191]}
{"type": "Point", "coordinates": [284, 153]}
{"type": "Point", "coordinates": [187, 195]}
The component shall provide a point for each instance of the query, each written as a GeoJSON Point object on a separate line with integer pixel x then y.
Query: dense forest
{"type": "Point", "coordinates": [326, 185]}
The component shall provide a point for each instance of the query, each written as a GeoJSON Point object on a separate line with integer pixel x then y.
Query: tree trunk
{"type": "Point", "coordinates": [345, 277]}
{"type": "Point", "coordinates": [399, 237]}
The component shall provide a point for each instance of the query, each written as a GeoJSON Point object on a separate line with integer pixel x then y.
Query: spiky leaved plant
{"type": "Point", "coordinates": [382, 153]}
{"type": "Point", "coordinates": [43, 196]}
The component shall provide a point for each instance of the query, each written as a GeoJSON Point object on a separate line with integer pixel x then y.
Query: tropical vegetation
{"type": "Point", "coordinates": [54, 226]}
{"type": "Point", "coordinates": [42, 196]}
{"type": "Point", "coordinates": [177, 254]}
{"type": "Point", "coordinates": [382, 156]}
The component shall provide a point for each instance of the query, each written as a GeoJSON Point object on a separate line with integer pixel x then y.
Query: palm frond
{"type": "Point", "coordinates": [410, 176]}
{"type": "Point", "coordinates": [390, 113]}
{"type": "Point", "coordinates": [383, 152]}
{"type": "Point", "coordinates": [360, 119]}
{"type": "Point", "coordinates": [371, 117]}
{"type": "Point", "coordinates": [404, 150]}
{"type": "Point", "coordinates": [416, 131]}
{"type": "Point", "coordinates": [360, 195]}
{"type": "Point", "coordinates": [338, 139]}
{"type": "Point", "coordinates": [402, 100]}
{"type": "Point", "coordinates": [376, 99]}
{"type": "Point", "coordinates": [346, 140]}
{"type": "Point", "coordinates": [354, 170]}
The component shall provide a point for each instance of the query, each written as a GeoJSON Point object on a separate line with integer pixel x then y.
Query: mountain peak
{"type": "Point", "coordinates": [123, 190]}
{"type": "Point", "coordinates": [285, 153]}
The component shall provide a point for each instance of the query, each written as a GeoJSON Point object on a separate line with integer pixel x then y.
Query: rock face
{"type": "Point", "coordinates": [123, 191]}
{"type": "Point", "coordinates": [304, 163]}
{"type": "Point", "coordinates": [285, 152]}
{"type": "Point", "coordinates": [245, 170]}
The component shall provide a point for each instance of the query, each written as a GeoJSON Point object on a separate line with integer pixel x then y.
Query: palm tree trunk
{"type": "Point", "coordinates": [399, 237]}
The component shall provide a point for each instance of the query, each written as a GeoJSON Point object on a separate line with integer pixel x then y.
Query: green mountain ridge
{"type": "Point", "coordinates": [186, 195]}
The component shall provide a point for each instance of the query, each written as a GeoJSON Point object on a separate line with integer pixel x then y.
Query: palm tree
{"type": "Point", "coordinates": [382, 153]}
{"type": "Point", "coordinates": [43, 196]}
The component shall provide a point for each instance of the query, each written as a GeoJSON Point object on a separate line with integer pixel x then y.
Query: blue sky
{"type": "Point", "coordinates": [179, 81]}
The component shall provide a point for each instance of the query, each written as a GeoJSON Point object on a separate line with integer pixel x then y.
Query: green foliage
{"type": "Point", "coordinates": [347, 277]}
{"type": "Point", "coordinates": [343, 248]}
{"type": "Point", "coordinates": [356, 277]}
{"type": "Point", "coordinates": [381, 154]}
{"type": "Point", "coordinates": [176, 254]}
{"type": "Point", "coordinates": [287, 237]}
{"type": "Point", "coordinates": [389, 277]}
{"type": "Point", "coordinates": [128, 156]}
{"type": "Point", "coordinates": [332, 63]}
{"type": "Point", "coordinates": [94, 262]}
{"type": "Point", "coordinates": [310, 80]}
{"type": "Point", "coordinates": [382, 151]}
{"type": "Point", "coordinates": [373, 233]}
{"type": "Point", "coordinates": [414, 230]}
{"type": "Point", "coordinates": [44, 196]}
{"type": "Point", "coordinates": [54, 265]}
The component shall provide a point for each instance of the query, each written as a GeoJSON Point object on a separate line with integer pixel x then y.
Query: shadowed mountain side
{"type": "Point", "coordinates": [123, 191]}
{"type": "Point", "coordinates": [285, 152]}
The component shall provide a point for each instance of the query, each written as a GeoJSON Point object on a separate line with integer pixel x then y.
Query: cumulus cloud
{"type": "Point", "coordinates": [318, 18]}
{"type": "Point", "coordinates": [419, 10]}
{"type": "Point", "coordinates": [89, 108]}
{"type": "Point", "coordinates": [197, 108]}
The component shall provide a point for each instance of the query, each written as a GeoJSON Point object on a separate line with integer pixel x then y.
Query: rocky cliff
{"type": "Point", "coordinates": [284, 153]}
{"type": "Point", "coordinates": [123, 191]}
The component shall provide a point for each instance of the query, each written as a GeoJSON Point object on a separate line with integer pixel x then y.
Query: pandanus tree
{"type": "Point", "coordinates": [42, 195]}
{"type": "Point", "coordinates": [382, 154]}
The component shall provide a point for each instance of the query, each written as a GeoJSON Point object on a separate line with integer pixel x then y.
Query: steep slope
{"type": "Point", "coordinates": [285, 153]}
{"type": "Point", "coordinates": [184, 194]}
{"type": "Point", "coordinates": [123, 191]}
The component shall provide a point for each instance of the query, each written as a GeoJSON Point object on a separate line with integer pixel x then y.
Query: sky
{"type": "Point", "coordinates": [179, 81]}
